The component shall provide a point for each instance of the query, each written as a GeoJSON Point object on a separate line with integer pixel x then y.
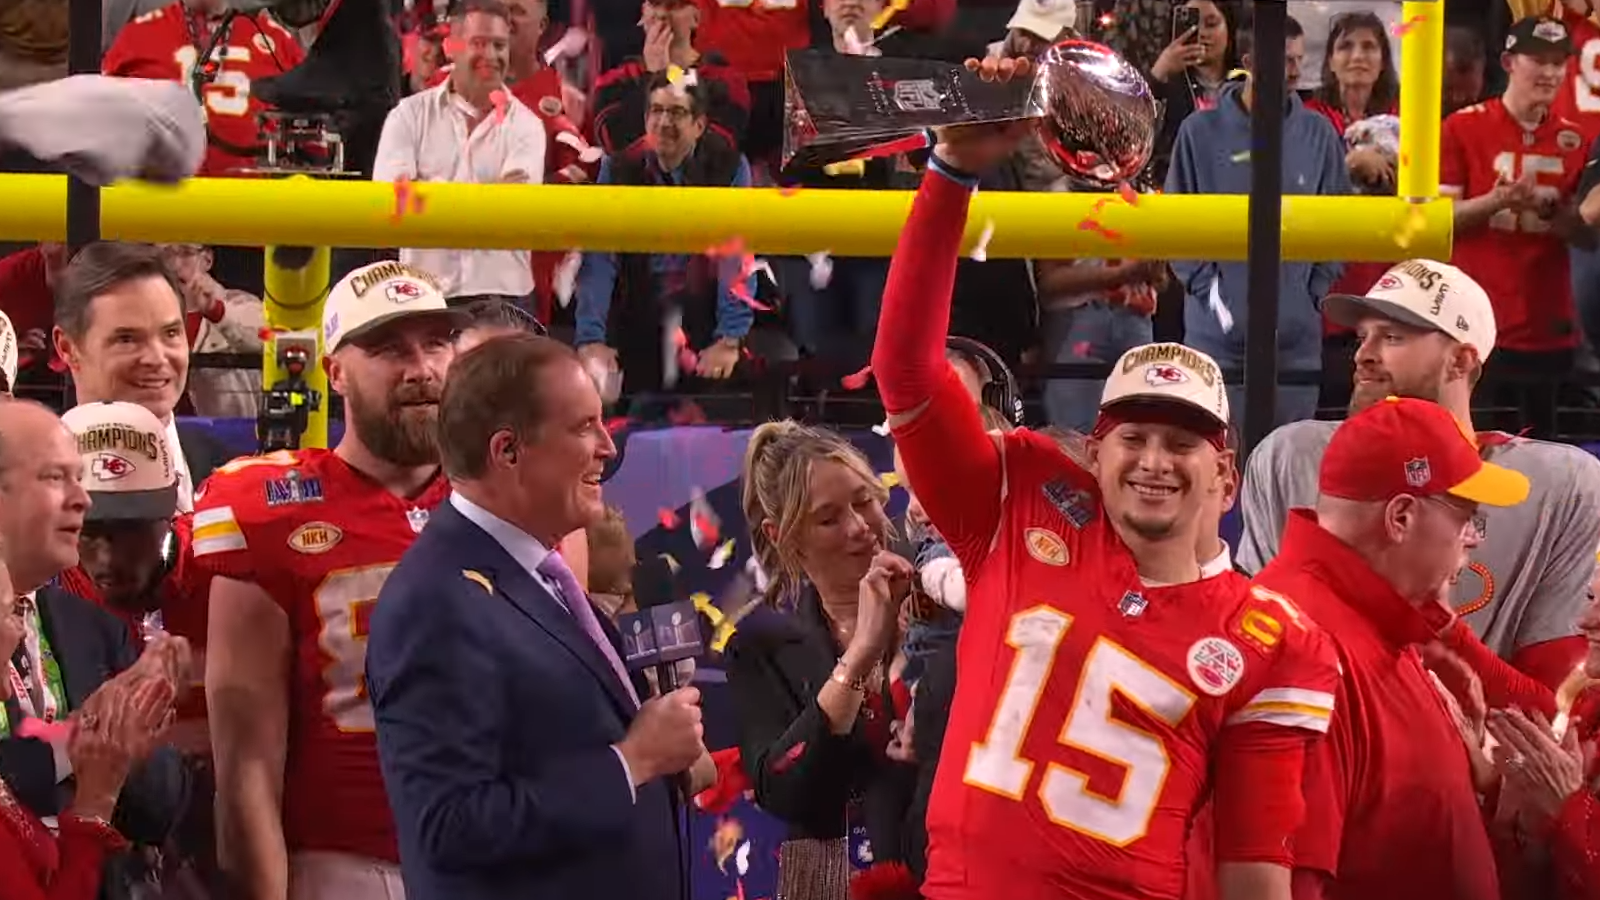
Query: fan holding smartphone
{"type": "Point", "coordinates": [1199, 43]}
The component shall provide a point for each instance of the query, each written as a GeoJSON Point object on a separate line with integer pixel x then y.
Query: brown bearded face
{"type": "Point", "coordinates": [398, 426]}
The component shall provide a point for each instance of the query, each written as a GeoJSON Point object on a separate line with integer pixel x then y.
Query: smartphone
{"type": "Point", "coordinates": [1183, 19]}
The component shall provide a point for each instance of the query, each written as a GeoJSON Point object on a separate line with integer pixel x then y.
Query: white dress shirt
{"type": "Point", "coordinates": [529, 554]}
{"type": "Point", "coordinates": [180, 465]}
{"type": "Point", "coordinates": [426, 138]}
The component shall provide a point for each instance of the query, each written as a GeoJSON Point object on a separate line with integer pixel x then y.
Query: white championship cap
{"type": "Point", "coordinates": [373, 295]}
{"type": "Point", "coordinates": [9, 352]}
{"type": "Point", "coordinates": [1044, 18]}
{"type": "Point", "coordinates": [127, 461]}
{"type": "Point", "coordinates": [1426, 294]}
{"type": "Point", "coordinates": [1168, 373]}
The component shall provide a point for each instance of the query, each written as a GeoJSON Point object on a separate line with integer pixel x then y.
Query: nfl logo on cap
{"type": "Point", "coordinates": [1418, 473]}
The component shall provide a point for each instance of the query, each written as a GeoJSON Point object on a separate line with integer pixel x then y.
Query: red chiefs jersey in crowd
{"type": "Point", "coordinates": [1076, 768]}
{"type": "Point", "coordinates": [1515, 257]}
{"type": "Point", "coordinates": [320, 538]}
{"type": "Point", "coordinates": [1579, 99]}
{"type": "Point", "coordinates": [166, 45]}
{"type": "Point", "coordinates": [754, 35]}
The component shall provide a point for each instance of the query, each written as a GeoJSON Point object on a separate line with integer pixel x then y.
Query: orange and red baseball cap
{"type": "Point", "coordinates": [1416, 447]}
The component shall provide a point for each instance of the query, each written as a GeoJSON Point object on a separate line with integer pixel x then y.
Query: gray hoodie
{"type": "Point", "coordinates": [1212, 156]}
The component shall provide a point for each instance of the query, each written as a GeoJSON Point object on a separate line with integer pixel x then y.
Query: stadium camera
{"type": "Point", "coordinates": [286, 407]}
{"type": "Point", "coordinates": [327, 113]}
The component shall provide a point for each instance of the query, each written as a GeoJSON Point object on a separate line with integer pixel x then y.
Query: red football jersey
{"type": "Point", "coordinates": [752, 36]}
{"type": "Point", "coordinates": [162, 45]}
{"type": "Point", "coordinates": [1579, 99]}
{"type": "Point", "coordinates": [1518, 261]}
{"type": "Point", "coordinates": [320, 538]}
{"type": "Point", "coordinates": [183, 591]}
{"type": "Point", "coordinates": [1080, 739]}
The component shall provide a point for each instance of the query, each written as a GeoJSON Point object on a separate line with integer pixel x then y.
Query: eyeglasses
{"type": "Point", "coordinates": [670, 113]}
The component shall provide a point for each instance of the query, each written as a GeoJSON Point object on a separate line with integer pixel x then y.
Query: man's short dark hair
{"type": "Point", "coordinates": [492, 312]}
{"type": "Point", "coordinates": [101, 267]}
{"type": "Point", "coordinates": [493, 387]}
{"type": "Point", "coordinates": [695, 93]}
{"type": "Point", "coordinates": [1244, 38]}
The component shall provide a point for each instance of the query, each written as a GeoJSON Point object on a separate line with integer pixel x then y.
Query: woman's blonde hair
{"type": "Point", "coordinates": [777, 471]}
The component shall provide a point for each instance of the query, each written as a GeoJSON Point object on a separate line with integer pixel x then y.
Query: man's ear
{"type": "Point", "coordinates": [66, 348]}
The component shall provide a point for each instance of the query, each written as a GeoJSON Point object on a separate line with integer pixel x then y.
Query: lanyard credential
{"type": "Point", "coordinates": [38, 664]}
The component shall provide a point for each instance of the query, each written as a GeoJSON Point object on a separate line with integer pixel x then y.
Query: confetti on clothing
{"type": "Point", "coordinates": [855, 381]}
{"type": "Point", "coordinates": [980, 252]}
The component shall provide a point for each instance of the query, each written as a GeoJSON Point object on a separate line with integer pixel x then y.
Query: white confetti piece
{"type": "Point", "coordinates": [571, 44]}
{"type": "Point", "coordinates": [821, 269]}
{"type": "Point", "coordinates": [721, 555]}
{"type": "Point", "coordinates": [1218, 308]}
{"type": "Point", "coordinates": [980, 252]}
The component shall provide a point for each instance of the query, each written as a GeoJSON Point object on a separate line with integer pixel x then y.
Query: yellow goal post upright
{"type": "Point", "coordinates": [301, 212]}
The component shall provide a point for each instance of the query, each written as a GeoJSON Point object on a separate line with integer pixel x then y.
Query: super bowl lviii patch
{"type": "Point", "coordinates": [293, 488]}
{"type": "Point", "coordinates": [1077, 506]}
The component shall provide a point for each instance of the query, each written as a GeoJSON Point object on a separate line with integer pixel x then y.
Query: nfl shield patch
{"type": "Point", "coordinates": [1418, 473]}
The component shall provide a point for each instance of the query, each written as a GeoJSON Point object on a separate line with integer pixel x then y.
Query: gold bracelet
{"type": "Point", "coordinates": [859, 685]}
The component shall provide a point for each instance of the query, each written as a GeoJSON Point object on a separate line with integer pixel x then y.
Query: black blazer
{"type": "Point", "coordinates": [90, 646]}
{"type": "Point", "coordinates": [802, 772]}
{"type": "Point", "coordinates": [202, 452]}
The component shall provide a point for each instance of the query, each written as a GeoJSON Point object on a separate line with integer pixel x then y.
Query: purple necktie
{"type": "Point", "coordinates": [571, 595]}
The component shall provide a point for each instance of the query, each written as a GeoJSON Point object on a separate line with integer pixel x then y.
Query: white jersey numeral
{"type": "Point", "coordinates": [344, 602]}
{"type": "Point", "coordinates": [996, 763]}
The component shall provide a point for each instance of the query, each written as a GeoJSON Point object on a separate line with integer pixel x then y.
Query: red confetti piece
{"type": "Point", "coordinates": [857, 380]}
{"type": "Point", "coordinates": [498, 98]}
{"type": "Point", "coordinates": [406, 199]}
{"type": "Point", "coordinates": [667, 518]}
{"type": "Point", "coordinates": [265, 334]}
{"type": "Point", "coordinates": [39, 729]}
{"type": "Point", "coordinates": [1128, 194]}
{"type": "Point", "coordinates": [1099, 204]}
{"type": "Point", "coordinates": [454, 47]}
{"type": "Point", "coordinates": [1405, 159]}
{"type": "Point", "coordinates": [1081, 349]}
{"type": "Point", "coordinates": [1096, 227]}
{"type": "Point", "coordinates": [58, 365]}
{"type": "Point", "coordinates": [617, 424]}
{"type": "Point", "coordinates": [1403, 28]}
{"type": "Point", "coordinates": [706, 527]}
{"type": "Point", "coordinates": [789, 191]}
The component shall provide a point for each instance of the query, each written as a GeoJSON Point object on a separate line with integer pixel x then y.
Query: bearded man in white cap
{"type": "Point", "coordinates": [1424, 331]}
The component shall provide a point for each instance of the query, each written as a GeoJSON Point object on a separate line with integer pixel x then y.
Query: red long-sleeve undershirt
{"type": "Point", "coordinates": [953, 462]}
{"type": "Point", "coordinates": [1505, 686]}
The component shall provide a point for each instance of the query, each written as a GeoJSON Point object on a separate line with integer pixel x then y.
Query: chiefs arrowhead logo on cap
{"type": "Point", "coordinates": [110, 467]}
{"type": "Point", "coordinates": [1162, 373]}
{"type": "Point", "coordinates": [403, 291]}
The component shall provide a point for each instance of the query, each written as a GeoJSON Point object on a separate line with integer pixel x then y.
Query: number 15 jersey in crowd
{"type": "Point", "coordinates": [320, 538]}
{"type": "Point", "coordinates": [1088, 703]}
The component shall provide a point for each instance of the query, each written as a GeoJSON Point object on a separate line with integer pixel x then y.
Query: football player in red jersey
{"type": "Point", "coordinates": [218, 55]}
{"type": "Point", "coordinates": [299, 542]}
{"type": "Point", "coordinates": [1104, 687]}
{"type": "Point", "coordinates": [1514, 165]}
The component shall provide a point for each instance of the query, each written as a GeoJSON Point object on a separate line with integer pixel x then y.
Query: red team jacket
{"type": "Point", "coordinates": [320, 538]}
{"type": "Point", "coordinates": [162, 46]}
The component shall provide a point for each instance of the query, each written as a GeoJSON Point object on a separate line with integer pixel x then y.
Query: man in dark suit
{"type": "Point", "coordinates": [517, 757]}
{"type": "Point", "coordinates": [71, 646]}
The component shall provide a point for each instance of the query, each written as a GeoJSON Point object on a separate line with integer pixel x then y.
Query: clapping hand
{"type": "Point", "coordinates": [1538, 772]}
{"type": "Point", "coordinates": [882, 591]}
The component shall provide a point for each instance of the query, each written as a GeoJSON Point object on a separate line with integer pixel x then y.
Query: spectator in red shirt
{"type": "Point", "coordinates": [622, 93]}
{"type": "Point", "coordinates": [1514, 166]}
{"type": "Point", "coordinates": [26, 280]}
{"type": "Point", "coordinates": [1390, 809]}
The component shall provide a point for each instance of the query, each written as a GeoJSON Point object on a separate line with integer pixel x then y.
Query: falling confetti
{"type": "Point", "coordinates": [571, 44]}
{"type": "Point", "coordinates": [788, 190]}
{"type": "Point", "coordinates": [49, 732]}
{"type": "Point", "coordinates": [853, 45]}
{"type": "Point", "coordinates": [890, 480]}
{"type": "Point", "coordinates": [454, 47]}
{"type": "Point", "coordinates": [1128, 194]}
{"type": "Point", "coordinates": [1082, 349]}
{"type": "Point", "coordinates": [672, 562]}
{"type": "Point", "coordinates": [881, 429]}
{"type": "Point", "coordinates": [407, 199]}
{"type": "Point", "coordinates": [1415, 220]}
{"type": "Point", "coordinates": [667, 518]}
{"type": "Point", "coordinates": [889, 12]}
{"type": "Point", "coordinates": [704, 526]}
{"type": "Point", "coordinates": [720, 557]}
{"type": "Point", "coordinates": [615, 425]}
{"type": "Point", "coordinates": [980, 252]}
{"type": "Point", "coordinates": [1403, 28]}
{"type": "Point", "coordinates": [1099, 205]}
{"type": "Point", "coordinates": [855, 381]}
{"type": "Point", "coordinates": [1242, 156]}
{"type": "Point", "coordinates": [1096, 227]}
{"type": "Point", "coordinates": [498, 99]}
{"type": "Point", "coordinates": [821, 269]}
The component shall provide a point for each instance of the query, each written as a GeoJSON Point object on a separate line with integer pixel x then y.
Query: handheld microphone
{"type": "Point", "coordinates": [677, 638]}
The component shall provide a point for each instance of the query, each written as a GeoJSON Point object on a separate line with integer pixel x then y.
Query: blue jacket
{"type": "Point", "coordinates": [496, 717]}
{"type": "Point", "coordinates": [1212, 156]}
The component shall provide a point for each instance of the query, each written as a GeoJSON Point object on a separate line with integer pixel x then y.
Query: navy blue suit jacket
{"type": "Point", "coordinates": [495, 717]}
